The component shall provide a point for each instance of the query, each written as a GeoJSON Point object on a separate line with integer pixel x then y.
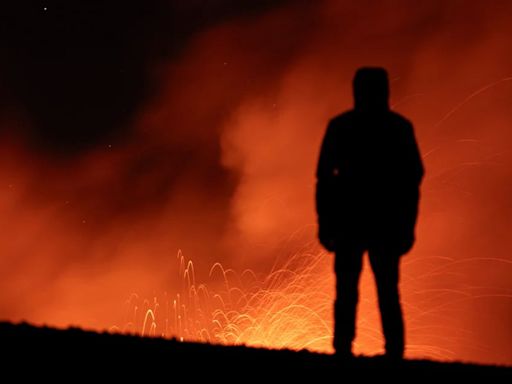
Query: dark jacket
{"type": "Point", "coordinates": [368, 179]}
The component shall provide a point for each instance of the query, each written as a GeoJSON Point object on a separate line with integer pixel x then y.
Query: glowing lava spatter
{"type": "Point", "coordinates": [289, 308]}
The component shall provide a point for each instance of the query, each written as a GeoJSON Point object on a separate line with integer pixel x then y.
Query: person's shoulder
{"type": "Point", "coordinates": [342, 119]}
{"type": "Point", "coordinates": [400, 121]}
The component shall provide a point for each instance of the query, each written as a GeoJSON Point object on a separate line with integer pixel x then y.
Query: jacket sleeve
{"type": "Point", "coordinates": [416, 168]}
{"type": "Point", "coordinates": [326, 179]}
{"type": "Point", "coordinates": [410, 199]}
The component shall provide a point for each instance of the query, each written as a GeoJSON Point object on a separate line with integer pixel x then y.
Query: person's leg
{"type": "Point", "coordinates": [385, 268]}
{"type": "Point", "coordinates": [348, 265]}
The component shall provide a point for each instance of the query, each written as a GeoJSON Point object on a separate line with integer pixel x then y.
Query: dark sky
{"type": "Point", "coordinates": [78, 70]}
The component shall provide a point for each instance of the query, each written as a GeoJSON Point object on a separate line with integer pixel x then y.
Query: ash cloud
{"type": "Point", "coordinates": [80, 70]}
{"type": "Point", "coordinates": [111, 158]}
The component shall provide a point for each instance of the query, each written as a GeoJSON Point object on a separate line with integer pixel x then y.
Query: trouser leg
{"type": "Point", "coordinates": [385, 267]}
{"type": "Point", "coordinates": [348, 267]}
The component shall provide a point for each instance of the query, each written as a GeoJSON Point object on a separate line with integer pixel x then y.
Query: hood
{"type": "Point", "coordinates": [371, 89]}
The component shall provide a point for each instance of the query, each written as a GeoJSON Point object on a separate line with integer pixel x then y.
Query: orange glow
{"type": "Point", "coordinates": [277, 311]}
{"type": "Point", "coordinates": [255, 94]}
{"type": "Point", "coordinates": [291, 307]}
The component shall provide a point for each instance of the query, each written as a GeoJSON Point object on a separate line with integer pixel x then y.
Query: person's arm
{"type": "Point", "coordinates": [412, 178]}
{"type": "Point", "coordinates": [414, 160]}
{"type": "Point", "coordinates": [326, 176]}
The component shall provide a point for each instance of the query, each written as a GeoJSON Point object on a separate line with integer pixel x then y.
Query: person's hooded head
{"type": "Point", "coordinates": [371, 89]}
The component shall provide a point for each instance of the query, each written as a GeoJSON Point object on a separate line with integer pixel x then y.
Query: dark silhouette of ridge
{"type": "Point", "coordinates": [76, 355]}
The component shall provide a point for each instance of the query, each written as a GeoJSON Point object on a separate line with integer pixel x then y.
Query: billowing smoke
{"type": "Point", "coordinates": [111, 151]}
{"type": "Point", "coordinates": [204, 137]}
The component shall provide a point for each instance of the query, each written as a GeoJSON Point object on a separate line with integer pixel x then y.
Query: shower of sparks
{"type": "Point", "coordinates": [471, 96]}
{"type": "Point", "coordinates": [292, 308]}
{"type": "Point", "coordinates": [277, 311]}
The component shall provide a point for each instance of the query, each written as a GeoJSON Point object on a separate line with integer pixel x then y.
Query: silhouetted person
{"type": "Point", "coordinates": [368, 179]}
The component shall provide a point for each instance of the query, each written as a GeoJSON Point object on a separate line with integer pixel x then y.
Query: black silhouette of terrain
{"type": "Point", "coordinates": [74, 355]}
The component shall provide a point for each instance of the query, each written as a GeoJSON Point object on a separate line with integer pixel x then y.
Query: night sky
{"type": "Point", "coordinates": [80, 70]}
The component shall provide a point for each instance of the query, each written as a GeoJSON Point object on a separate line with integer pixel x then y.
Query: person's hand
{"type": "Point", "coordinates": [327, 241]}
{"type": "Point", "coordinates": [406, 244]}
